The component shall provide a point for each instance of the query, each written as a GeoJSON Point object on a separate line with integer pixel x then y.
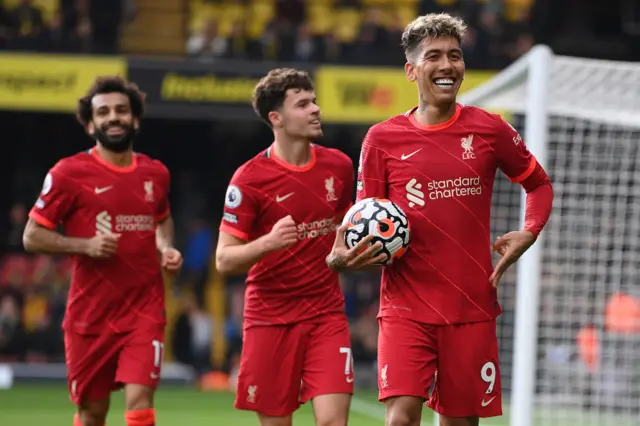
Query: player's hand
{"type": "Point", "coordinates": [171, 260]}
{"type": "Point", "coordinates": [283, 234]}
{"type": "Point", "coordinates": [360, 256]}
{"type": "Point", "coordinates": [510, 246]}
{"type": "Point", "coordinates": [102, 246]}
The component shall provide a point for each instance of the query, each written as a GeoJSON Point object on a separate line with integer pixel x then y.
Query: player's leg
{"type": "Point", "coordinates": [406, 368]}
{"type": "Point", "coordinates": [91, 368]}
{"type": "Point", "coordinates": [328, 374]}
{"type": "Point", "coordinates": [139, 366]}
{"type": "Point", "coordinates": [468, 383]}
{"type": "Point", "coordinates": [270, 372]}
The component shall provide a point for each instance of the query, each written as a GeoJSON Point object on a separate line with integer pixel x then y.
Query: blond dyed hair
{"type": "Point", "coordinates": [431, 26]}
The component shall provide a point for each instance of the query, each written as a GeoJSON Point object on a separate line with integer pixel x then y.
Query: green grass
{"type": "Point", "coordinates": [49, 405]}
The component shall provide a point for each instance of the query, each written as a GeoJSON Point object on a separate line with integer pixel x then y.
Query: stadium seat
{"type": "Point", "coordinates": [48, 7]}
{"type": "Point", "coordinates": [260, 13]}
{"type": "Point", "coordinates": [347, 24]}
{"type": "Point", "coordinates": [320, 18]}
{"type": "Point", "coordinates": [515, 9]}
{"type": "Point", "coordinates": [228, 16]}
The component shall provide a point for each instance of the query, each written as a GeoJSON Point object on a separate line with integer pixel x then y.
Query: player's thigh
{"type": "Point", "coordinates": [468, 380]}
{"type": "Point", "coordinates": [271, 370]}
{"type": "Point", "coordinates": [406, 358]}
{"type": "Point", "coordinates": [328, 361]}
{"type": "Point", "coordinates": [140, 361]}
{"type": "Point", "coordinates": [92, 362]}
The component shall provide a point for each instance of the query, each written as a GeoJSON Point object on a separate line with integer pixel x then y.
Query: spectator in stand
{"type": "Point", "coordinates": [25, 26]}
{"type": "Point", "coordinates": [13, 338]}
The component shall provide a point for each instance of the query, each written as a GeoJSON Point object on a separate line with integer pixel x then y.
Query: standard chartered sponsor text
{"type": "Point", "coordinates": [134, 223]}
{"type": "Point", "coordinates": [317, 228]}
{"type": "Point", "coordinates": [457, 187]}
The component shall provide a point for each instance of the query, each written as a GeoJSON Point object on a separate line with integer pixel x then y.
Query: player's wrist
{"type": "Point", "coordinates": [83, 246]}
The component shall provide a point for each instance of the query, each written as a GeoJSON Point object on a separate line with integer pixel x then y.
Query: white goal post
{"type": "Point", "coordinates": [581, 119]}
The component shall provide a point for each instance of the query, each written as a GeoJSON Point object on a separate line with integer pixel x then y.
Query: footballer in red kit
{"type": "Point", "coordinates": [281, 212]}
{"type": "Point", "coordinates": [112, 204]}
{"type": "Point", "coordinates": [438, 303]}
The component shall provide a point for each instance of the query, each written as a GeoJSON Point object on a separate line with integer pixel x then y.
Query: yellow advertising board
{"type": "Point", "coordinates": [368, 95]}
{"type": "Point", "coordinates": [51, 82]}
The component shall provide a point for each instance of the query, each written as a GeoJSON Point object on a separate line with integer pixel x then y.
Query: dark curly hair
{"type": "Point", "coordinates": [271, 91]}
{"type": "Point", "coordinates": [431, 26]}
{"type": "Point", "coordinates": [110, 84]}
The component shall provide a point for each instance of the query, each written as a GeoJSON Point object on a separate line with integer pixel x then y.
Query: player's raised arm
{"type": "Point", "coordinates": [39, 239]}
{"type": "Point", "coordinates": [55, 201]}
{"type": "Point", "coordinates": [237, 256]}
{"type": "Point", "coordinates": [235, 253]}
{"type": "Point", "coordinates": [515, 160]}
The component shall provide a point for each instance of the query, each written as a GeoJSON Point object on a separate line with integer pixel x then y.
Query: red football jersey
{"type": "Point", "coordinates": [442, 177]}
{"type": "Point", "coordinates": [87, 196]}
{"type": "Point", "coordinates": [295, 284]}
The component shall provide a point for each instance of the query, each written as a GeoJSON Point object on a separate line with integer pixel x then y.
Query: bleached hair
{"type": "Point", "coordinates": [431, 26]}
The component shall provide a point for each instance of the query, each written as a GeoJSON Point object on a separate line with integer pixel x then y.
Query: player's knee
{"type": "Point", "coordinates": [459, 421]}
{"type": "Point", "coordinates": [275, 421]}
{"type": "Point", "coordinates": [403, 411]}
{"type": "Point", "coordinates": [138, 397]}
{"type": "Point", "coordinates": [337, 420]}
{"type": "Point", "coordinates": [332, 418]}
{"type": "Point", "coordinates": [402, 418]}
{"type": "Point", "coordinates": [331, 409]}
{"type": "Point", "coordinates": [92, 413]}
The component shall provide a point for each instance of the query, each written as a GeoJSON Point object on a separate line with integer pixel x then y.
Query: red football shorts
{"type": "Point", "coordinates": [283, 366]}
{"type": "Point", "coordinates": [99, 364]}
{"type": "Point", "coordinates": [462, 359]}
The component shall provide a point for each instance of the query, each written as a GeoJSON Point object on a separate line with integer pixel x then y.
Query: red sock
{"type": "Point", "coordinates": [145, 417]}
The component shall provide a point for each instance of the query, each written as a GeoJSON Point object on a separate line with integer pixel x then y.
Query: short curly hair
{"type": "Point", "coordinates": [271, 91]}
{"type": "Point", "coordinates": [110, 84]}
{"type": "Point", "coordinates": [431, 26]}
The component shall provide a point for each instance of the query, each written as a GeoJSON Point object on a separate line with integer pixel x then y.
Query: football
{"type": "Point", "coordinates": [385, 221]}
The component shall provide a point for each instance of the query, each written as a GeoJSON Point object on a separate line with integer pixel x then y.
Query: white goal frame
{"type": "Point", "coordinates": [534, 68]}
{"type": "Point", "coordinates": [524, 88]}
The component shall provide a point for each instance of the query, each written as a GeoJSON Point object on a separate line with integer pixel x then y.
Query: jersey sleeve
{"type": "Point", "coordinates": [163, 210]}
{"type": "Point", "coordinates": [240, 207]}
{"type": "Point", "coordinates": [55, 201]}
{"type": "Point", "coordinates": [514, 159]}
{"type": "Point", "coordinates": [372, 180]}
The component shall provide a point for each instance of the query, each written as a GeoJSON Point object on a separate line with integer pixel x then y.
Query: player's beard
{"type": "Point", "coordinates": [116, 143]}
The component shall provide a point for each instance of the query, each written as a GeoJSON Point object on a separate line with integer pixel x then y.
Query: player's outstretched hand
{"type": "Point", "coordinates": [360, 256]}
{"type": "Point", "coordinates": [171, 260]}
{"type": "Point", "coordinates": [283, 234]}
{"type": "Point", "coordinates": [510, 246]}
{"type": "Point", "coordinates": [102, 245]}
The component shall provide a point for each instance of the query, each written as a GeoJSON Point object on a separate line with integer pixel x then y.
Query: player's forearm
{"type": "Point", "coordinates": [538, 208]}
{"type": "Point", "coordinates": [165, 234]}
{"type": "Point", "coordinates": [539, 200]}
{"type": "Point", "coordinates": [238, 259]}
{"type": "Point", "coordinates": [37, 239]}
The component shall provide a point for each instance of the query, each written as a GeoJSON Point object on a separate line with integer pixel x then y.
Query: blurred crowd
{"type": "Point", "coordinates": [350, 31]}
{"type": "Point", "coordinates": [61, 26]}
{"type": "Point", "coordinates": [339, 31]}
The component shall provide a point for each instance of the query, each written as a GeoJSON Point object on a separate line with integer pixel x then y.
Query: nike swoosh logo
{"type": "Point", "coordinates": [485, 403]}
{"type": "Point", "coordinates": [280, 199]}
{"type": "Point", "coordinates": [350, 379]}
{"type": "Point", "coordinates": [101, 190]}
{"type": "Point", "coordinates": [154, 376]}
{"type": "Point", "coordinates": [404, 157]}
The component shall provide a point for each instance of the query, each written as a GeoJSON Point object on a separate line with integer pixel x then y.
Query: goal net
{"type": "Point", "coordinates": [570, 333]}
